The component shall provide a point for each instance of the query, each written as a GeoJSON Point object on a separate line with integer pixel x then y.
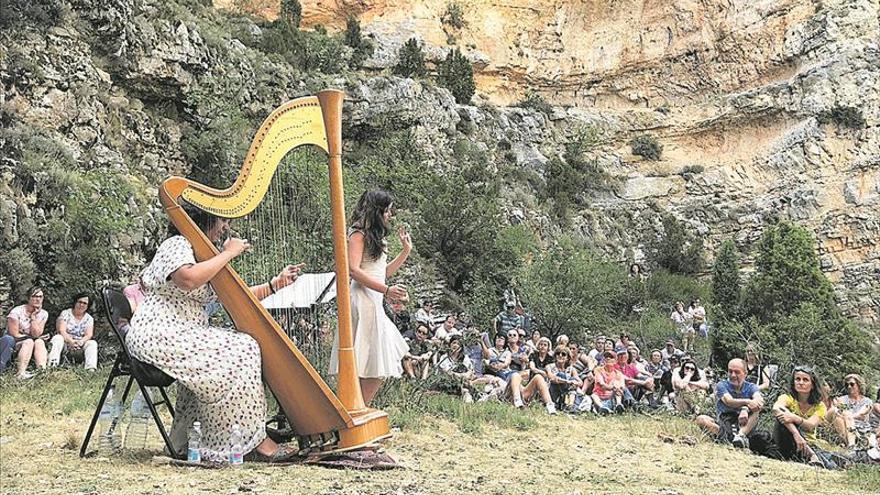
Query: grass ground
{"type": "Point", "coordinates": [456, 448]}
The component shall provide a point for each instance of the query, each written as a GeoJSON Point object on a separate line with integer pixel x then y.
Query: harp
{"type": "Point", "coordinates": [323, 422]}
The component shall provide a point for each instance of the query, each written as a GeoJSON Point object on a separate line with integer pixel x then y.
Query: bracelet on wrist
{"type": "Point", "coordinates": [387, 288]}
{"type": "Point", "coordinates": [269, 283]}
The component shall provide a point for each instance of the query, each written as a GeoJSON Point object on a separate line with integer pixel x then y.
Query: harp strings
{"type": "Point", "coordinates": [293, 225]}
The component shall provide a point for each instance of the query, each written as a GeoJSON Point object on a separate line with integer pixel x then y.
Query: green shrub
{"type": "Point", "coordinates": [535, 101]}
{"type": "Point", "coordinates": [726, 285]}
{"type": "Point", "coordinates": [303, 50]}
{"type": "Point", "coordinates": [35, 14]}
{"type": "Point", "coordinates": [692, 170]}
{"type": "Point", "coordinates": [676, 249]}
{"type": "Point", "coordinates": [647, 147]}
{"type": "Point", "coordinates": [843, 116]}
{"type": "Point", "coordinates": [456, 74]}
{"type": "Point", "coordinates": [362, 48]}
{"type": "Point", "coordinates": [664, 289]}
{"type": "Point", "coordinates": [291, 12]}
{"type": "Point", "coordinates": [18, 266]}
{"type": "Point", "coordinates": [453, 16]}
{"type": "Point", "coordinates": [411, 60]}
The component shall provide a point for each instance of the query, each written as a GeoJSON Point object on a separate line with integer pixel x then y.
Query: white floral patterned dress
{"type": "Point", "coordinates": [378, 346]}
{"type": "Point", "coordinates": [218, 371]}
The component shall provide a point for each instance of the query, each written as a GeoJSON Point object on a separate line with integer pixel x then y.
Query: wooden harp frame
{"type": "Point", "coordinates": [323, 421]}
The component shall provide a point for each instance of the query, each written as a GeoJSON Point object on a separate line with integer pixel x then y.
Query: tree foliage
{"type": "Point", "coordinates": [361, 48]}
{"type": "Point", "coordinates": [676, 249]}
{"type": "Point", "coordinates": [291, 12]}
{"type": "Point", "coordinates": [456, 74]}
{"type": "Point", "coordinates": [726, 285]}
{"type": "Point", "coordinates": [411, 60]}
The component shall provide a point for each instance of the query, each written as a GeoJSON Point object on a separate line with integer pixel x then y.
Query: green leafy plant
{"type": "Point", "coordinates": [361, 47]}
{"type": "Point", "coordinates": [676, 249]}
{"type": "Point", "coordinates": [453, 16]}
{"type": "Point", "coordinates": [647, 147]}
{"type": "Point", "coordinates": [411, 60]}
{"type": "Point", "coordinates": [456, 74]}
{"type": "Point", "coordinates": [291, 12]}
{"type": "Point", "coordinates": [535, 101]}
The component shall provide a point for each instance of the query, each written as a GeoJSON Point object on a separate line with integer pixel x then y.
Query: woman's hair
{"type": "Point", "coordinates": [204, 221]}
{"type": "Point", "coordinates": [544, 340]}
{"type": "Point", "coordinates": [859, 381]}
{"type": "Point", "coordinates": [33, 291]}
{"type": "Point", "coordinates": [686, 361]}
{"type": "Point", "coordinates": [502, 335]}
{"type": "Point", "coordinates": [80, 295]}
{"type": "Point", "coordinates": [815, 391]}
{"type": "Point", "coordinates": [564, 351]}
{"type": "Point", "coordinates": [368, 218]}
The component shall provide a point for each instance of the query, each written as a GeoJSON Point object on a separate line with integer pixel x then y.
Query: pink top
{"type": "Point", "coordinates": [134, 293]}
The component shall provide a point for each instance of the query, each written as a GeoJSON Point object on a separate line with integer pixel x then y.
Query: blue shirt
{"type": "Point", "coordinates": [747, 391]}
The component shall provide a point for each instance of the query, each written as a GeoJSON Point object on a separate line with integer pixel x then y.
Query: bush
{"type": "Point", "coordinates": [664, 289]}
{"type": "Point", "coordinates": [306, 51]}
{"type": "Point", "coordinates": [453, 16]}
{"type": "Point", "coordinates": [647, 147]}
{"type": "Point", "coordinates": [411, 60]}
{"type": "Point", "coordinates": [692, 170]}
{"type": "Point", "coordinates": [535, 101]}
{"type": "Point", "coordinates": [291, 12]}
{"type": "Point", "coordinates": [456, 74]}
{"type": "Point", "coordinates": [676, 249]}
{"type": "Point", "coordinates": [844, 117]}
{"type": "Point", "coordinates": [362, 48]}
{"type": "Point", "coordinates": [726, 282]}
{"type": "Point", "coordinates": [35, 14]}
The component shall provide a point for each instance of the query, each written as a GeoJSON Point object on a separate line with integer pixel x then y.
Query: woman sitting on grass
{"type": "Point", "coordinates": [539, 359]}
{"type": "Point", "coordinates": [690, 387]}
{"type": "Point", "coordinates": [849, 413]}
{"type": "Point", "coordinates": [609, 388]}
{"type": "Point", "coordinates": [798, 414]}
{"type": "Point", "coordinates": [75, 329]}
{"type": "Point", "coordinates": [564, 381]}
{"type": "Point", "coordinates": [457, 365]}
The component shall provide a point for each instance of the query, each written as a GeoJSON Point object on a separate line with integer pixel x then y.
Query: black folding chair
{"type": "Point", "coordinates": [146, 375]}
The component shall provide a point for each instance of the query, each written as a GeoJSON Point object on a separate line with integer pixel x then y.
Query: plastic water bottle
{"type": "Point", "coordinates": [108, 420]}
{"type": "Point", "coordinates": [139, 425]}
{"type": "Point", "coordinates": [194, 453]}
{"type": "Point", "coordinates": [236, 457]}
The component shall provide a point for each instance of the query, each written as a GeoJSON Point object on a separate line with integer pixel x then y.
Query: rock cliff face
{"type": "Point", "coordinates": [776, 103]}
{"type": "Point", "coordinates": [763, 108]}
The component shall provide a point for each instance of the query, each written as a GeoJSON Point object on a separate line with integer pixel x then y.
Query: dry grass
{"type": "Point", "coordinates": [43, 421]}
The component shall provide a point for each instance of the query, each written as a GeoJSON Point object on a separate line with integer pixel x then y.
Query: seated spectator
{"type": "Point", "coordinates": [583, 365]}
{"type": "Point", "coordinates": [507, 319]}
{"type": "Point", "coordinates": [564, 381]}
{"type": "Point", "coordinates": [400, 316]}
{"type": "Point", "coordinates": [598, 347]}
{"type": "Point", "coordinates": [608, 347]}
{"type": "Point", "coordinates": [682, 321]}
{"type": "Point", "coordinates": [425, 314]}
{"type": "Point", "coordinates": [519, 354]}
{"type": "Point", "coordinates": [456, 364]}
{"type": "Point", "coordinates": [75, 331]}
{"type": "Point", "coordinates": [532, 343]}
{"type": "Point", "coordinates": [417, 362]}
{"type": "Point", "coordinates": [446, 330]}
{"type": "Point", "coordinates": [690, 386]}
{"type": "Point", "coordinates": [798, 414]}
{"type": "Point", "coordinates": [756, 372]}
{"type": "Point", "coordinates": [25, 327]}
{"type": "Point", "coordinates": [498, 360]}
{"type": "Point", "coordinates": [608, 392]}
{"type": "Point", "coordinates": [670, 350]}
{"type": "Point", "coordinates": [638, 382]}
{"type": "Point", "coordinates": [850, 413]}
{"type": "Point", "coordinates": [623, 342]}
{"type": "Point", "coordinates": [562, 340]}
{"type": "Point", "coordinates": [662, 375]}
{"type": "Point", "coordinates": [737, 406]}
{"type": "Point", "coordinates": [539, 359]}
{"type": "Point", "coordinates": [698, 322]}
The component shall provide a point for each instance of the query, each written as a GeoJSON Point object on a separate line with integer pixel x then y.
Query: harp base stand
{"type": "Point", "coordinates": [368, 429]}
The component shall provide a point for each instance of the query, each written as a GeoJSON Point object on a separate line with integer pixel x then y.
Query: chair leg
{"type": "Point", "coordinates": [158, 420]}
{"type": "Point", "coordinates": [166, 400]}
{"type": "Point", "coordinates": [127, 390]}
{"type": "Point", "coordinates": [116, 371]}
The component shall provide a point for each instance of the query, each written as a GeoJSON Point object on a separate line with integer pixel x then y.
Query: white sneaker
{"type": "Point", "coordinates": [25, 375]}
{"type": "Point", "coordinates": [874, 453]}
{"type": "Point", "coordinates": [467, 397]}
{"type": "Point", "coordinates": [518, 403]}
{"type": "Point", "coordinates": [551, 409]}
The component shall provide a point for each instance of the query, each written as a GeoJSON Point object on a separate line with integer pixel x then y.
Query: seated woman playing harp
{"type": "Point", "coordinates": [218, 371]}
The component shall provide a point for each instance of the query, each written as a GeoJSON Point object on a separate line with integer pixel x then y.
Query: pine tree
{"type": "Point", "coordinates": [726, 282]}
{"type": "Point", "coordinates": [291, 12]}
{"type": "Point", "coordinates": [411, 60]}
{"type": "Point", "coordinates": [457, 75]}
{"type": "Point", "coordinates": [677, 250]}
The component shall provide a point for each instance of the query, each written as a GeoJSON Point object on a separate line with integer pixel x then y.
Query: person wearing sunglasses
{"type": "Point", "coordinates": [417, 360]}
{"type": "Point", "coordinates": [738, 404]}
{"type": "Point", "coordinates": [563, 378]}
{"type": "Point", "coordinates": [850, 413]}
{"type": "Point", "coordinates": [798, 413]}
{"type": "Point", "coordinates": [75, 331]}
{"type": "Point", "coordinates": [690, 386]}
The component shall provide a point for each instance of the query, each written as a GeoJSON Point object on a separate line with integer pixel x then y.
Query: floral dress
{"type": "Point", "coordinates": [218, 371]}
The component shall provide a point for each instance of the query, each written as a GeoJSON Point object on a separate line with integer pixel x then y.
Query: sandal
{"type": "Point", "coordinates": [284, 454]}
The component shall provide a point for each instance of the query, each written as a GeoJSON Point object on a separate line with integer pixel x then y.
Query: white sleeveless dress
{"type": "Point", "coordinates": [378, 346]}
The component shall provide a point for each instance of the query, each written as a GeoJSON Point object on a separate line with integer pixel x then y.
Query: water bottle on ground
{"type": "Point", "coordinates": [236, 456]}
{"type": "Point", "coordinates": [139, 424]}
{"type": "Point", "coordinates": [108, 421]}
{"type": "Point", "coordinates": [194, 452]}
